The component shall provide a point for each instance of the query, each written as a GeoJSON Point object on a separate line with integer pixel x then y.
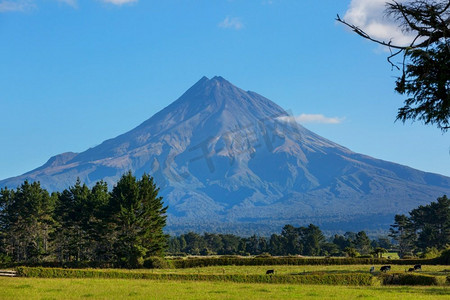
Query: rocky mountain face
{"type": "Point", "coordinates": [229, 160]}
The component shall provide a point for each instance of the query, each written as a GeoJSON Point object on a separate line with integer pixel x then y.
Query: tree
{"type": "Point", "coordinates": [403, 233]}
{"type": "Point", "coordinates": [137, 219]}
{"type": "Point", "coordinates": [351, 252]}
{"type": "Point", "coordinates": [71, 237]}
{"type": "Point", "coordinates": [292, 240]}
{"type": "Point", "coordinates": [26, 222]}
{"type": "Point", "coordinates": [432, 224]}
{"type": "Point", "coordinates": [425, 66]}
{"type": "Point", "coordinates": [362, 242]}
{"type": "Point", "coordinates": [313, 239]}
{"type": "Point", "coordinates": [378, 252]}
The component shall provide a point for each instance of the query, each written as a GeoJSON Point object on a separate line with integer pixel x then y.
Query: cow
{"type": "Point", "coordinates": [372, 269]}
{"type": "Point", "coordinates": [270, 272]}
{"type": "Point", "coordinates": [411, 270]}
{"type": "Point", "coordinates": [385, 268]}
{"type": "Point", "coordinates": [418, 267]}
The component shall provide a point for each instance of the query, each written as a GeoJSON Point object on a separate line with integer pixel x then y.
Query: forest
{"type": "Point", "coordinates": [125, 226]}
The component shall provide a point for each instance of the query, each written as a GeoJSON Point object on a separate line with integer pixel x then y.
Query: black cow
{"type": "Point", "coordinates": [411, 270]}
{"type": "Point", "coordinates": [418, 267]}
{"type": "Point", "coordinates": [385, 268]}
{"type": "Point", "coordinates": [270, 272]}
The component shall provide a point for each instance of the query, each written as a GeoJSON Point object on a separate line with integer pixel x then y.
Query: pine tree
{"type": "Point", "coordinates": [27, 222]}
{"type": "Point", "coordinates": [137, 219]}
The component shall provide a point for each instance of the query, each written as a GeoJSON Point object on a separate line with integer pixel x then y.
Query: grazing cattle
{"type": "Point", "coordinates": [270, 272]}
{"type": "Point", "coordinates": [385, 268]}
{"type": "Point", "coordinates": [372, 269]}
{"type": "Point", "coordinates": [418, 267]}
{"type": "Point", "coordinates": [411, 270]}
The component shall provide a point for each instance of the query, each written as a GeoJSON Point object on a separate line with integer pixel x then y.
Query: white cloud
{"type": "Point", "coordinates": [232, 23]}
{"type": "Point", "coordinates": [119, 2]}
{"type": "Point", "coordinates": [313, 118]}
{"type": "Point", "coordinates": [19, 5]}
{"type": "Point", "coordinates": [370, 16]}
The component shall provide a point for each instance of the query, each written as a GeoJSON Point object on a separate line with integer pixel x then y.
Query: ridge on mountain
{"type": "Point", "coordinates": [232, 160]}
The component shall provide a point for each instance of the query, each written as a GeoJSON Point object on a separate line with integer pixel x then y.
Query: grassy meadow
{"type": "Point", "coordinates": [209, 283]}
{"type": "Point", "coordinates": [435, 270]}
{"type": "Point", "coordinates": [39, 288]}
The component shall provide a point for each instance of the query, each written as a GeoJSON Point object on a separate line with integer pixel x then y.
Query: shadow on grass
{"type": "Point", "coordinates": [433, 291]}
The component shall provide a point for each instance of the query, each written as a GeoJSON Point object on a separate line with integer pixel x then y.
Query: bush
{"type": "Point", "coordinates": [444, 259]}
{"type": "Point", "coordinates": [5, 259]}
{"type": "Point", "coordinates": [432, 252]}
{"type": "Point", "coordinates": [409, 279]}
{"type": "Point", "coordinates": [156, 262]}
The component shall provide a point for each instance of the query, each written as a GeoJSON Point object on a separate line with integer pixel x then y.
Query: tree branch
{"type": "Point", "coordinates": [363, 34]}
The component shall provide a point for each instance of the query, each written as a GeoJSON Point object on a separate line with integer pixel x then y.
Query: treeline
{"type": "Point", "coordinates": [424, 234]}
{"type": "Point", "coordinates": [124, 227]}
{"type": "Point", "coordinates": [308, 241]}
{"type": "Point", "coordinates": [426, 231]}
{"type": "Point", "coordinates": [121, 227]}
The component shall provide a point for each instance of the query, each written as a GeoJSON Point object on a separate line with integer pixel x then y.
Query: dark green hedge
{"type": "Point", "coordinates": [329, 279]}
{"type": "Point", "coordinates": [410, 279]}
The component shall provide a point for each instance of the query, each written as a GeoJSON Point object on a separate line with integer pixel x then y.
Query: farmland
{"type": "Point", "coordinates": [223, 282]}
{"type": "Point", "coordinates": [40, 288]}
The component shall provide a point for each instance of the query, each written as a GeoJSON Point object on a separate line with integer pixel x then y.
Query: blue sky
{"type": "Point", "coordinates": [74, 73]}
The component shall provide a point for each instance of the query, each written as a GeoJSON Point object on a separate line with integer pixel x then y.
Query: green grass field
{"type": "Point", "coordinates": [286, 270]}
{"type": "Point", "coordinates": [99, 288]}
{"type": "Point", "coordinates": [37, 288]}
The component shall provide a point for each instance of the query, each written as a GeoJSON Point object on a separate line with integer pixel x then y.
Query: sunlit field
{"type": "Point", "coordinates": [287, 270]}
{"type": "Point", "coordinates": [37, 288]}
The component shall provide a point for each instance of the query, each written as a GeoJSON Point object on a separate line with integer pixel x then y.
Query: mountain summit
{"type": "Point", "coordinates": [231, 160]}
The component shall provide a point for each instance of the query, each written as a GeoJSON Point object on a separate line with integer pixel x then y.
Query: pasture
{"type": "Point", "coordinates": [93, 288]}
{"type": "Point", "coordinates": [221, 282]}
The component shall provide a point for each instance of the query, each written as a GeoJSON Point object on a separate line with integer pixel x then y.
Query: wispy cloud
{"type": "Point", "coordinates": [313, 118]}
{"type": "Point", "coordinates": [231, 23]}
{"type": "Point", "coordinates": [370, 16]}
{"type": "Point", "coordinates": [119, 2]}
{"type": "Point", "coordinates": [73, 3]}
{"type": "Point", "coordinates": [19, 5]}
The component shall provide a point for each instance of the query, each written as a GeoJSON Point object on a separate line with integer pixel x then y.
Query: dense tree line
{"type": "Point", "coordinates": [425, 233]}
{"type": "Point", "coordinates": [308, 241]}
{"type": "Point", "coordinates": [124, 226]}
{"type": "Point", "coordinates": [425, 230]}
{"type": "Point", "coordinates": [81, 224]}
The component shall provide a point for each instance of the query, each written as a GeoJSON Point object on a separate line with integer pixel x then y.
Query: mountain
{"type": "Point", "coordinates": [229, 160]}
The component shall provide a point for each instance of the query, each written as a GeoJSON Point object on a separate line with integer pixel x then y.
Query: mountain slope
{"type": "Point", "coordinates": [226, 158]}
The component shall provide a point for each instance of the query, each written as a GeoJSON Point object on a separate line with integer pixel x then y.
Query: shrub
{"type": "Point", "coordinates": [432, 252]}
{"type": "Point", "coordinates": [156, 262]}
{"type": "Point", "coordinates": [409, 279]}
{"type": "Point", "coordinates": [5, 259]}
{"type": "Point", "coordinates": [444, 259]}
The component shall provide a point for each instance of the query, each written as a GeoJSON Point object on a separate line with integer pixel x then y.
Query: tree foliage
{"type": "Point", "coordinates": [82, 224]}
{"type": "Point", "coordinates": [428, 226]}
{"type": "Point", "coordinates": [425, 66]}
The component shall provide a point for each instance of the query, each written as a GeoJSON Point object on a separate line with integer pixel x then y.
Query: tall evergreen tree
{"type": "Point", "coordinates": [362, 243]}
{"type": "Point", "coordinates": [432, 224]}
{"type": "Point", "coordinates": [313, 239]}
{"type": "Point", "coordinates": [137, 219]}
{"type": "Point", "coordinates": [402, 231]}
{"type": "Point", "coordinates": [27, 222]}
